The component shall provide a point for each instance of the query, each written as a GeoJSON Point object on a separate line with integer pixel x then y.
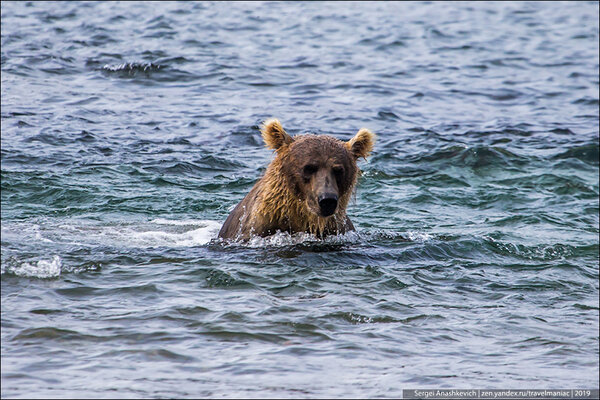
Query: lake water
{"type": "Point", "coordinates": [130, 131]}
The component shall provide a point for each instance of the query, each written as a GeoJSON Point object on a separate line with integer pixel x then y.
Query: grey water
{"type": "Point", "coordinates": [131, 129]}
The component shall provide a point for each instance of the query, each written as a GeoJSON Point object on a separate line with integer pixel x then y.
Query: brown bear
{"type": "Point", "coordinates": [306, 188]}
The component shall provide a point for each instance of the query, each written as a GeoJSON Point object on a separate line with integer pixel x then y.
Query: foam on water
{"type": "Point", "coordinates": [161, 232]}
{"type": "Point", "coordinates": [41, 269]}
{"type": "Point", "coordinates": [282, 239]}
{"type": "Point", "coordinates": [207, 231]}
{"type": "Point", "coordinates": [418, 236]}
{"type": "Point", "coordinates": [131, 67]}
{"type": "Point", "coordinates": [182, 222]}
{"type": "Point", "coordinates": [156, 233]}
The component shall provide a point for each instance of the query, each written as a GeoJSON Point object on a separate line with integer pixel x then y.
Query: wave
{"type": "Point", "coordinates": [285, 239]}
{"type": "Point", "coordinates": [472, 157]}
{"type": "Point", "coordinates": [163, 232]}
{"type": "Point", "coordinates": [206, 231]}
{"type": "Point", "coordinates": [156, 233]}
{"type": "Point", "coordinates": [43, 269]}
{"type": "Point", "coordinates": [132, 67]}
{"type": "Point", "coordinates": [538, 252]}
{"type": "Point", "coordinates": [153, 72]}
{"type": "Point", "coordinates": [311, 242]}
{"type": "Point", "coordinates": [588, 153]}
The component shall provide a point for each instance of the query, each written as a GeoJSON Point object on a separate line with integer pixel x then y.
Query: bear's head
{"type": "Point", "coordinates": [319, 170]}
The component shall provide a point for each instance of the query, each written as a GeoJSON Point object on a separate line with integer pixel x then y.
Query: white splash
{"type": "Point", "coordinates": [180, 222]}
{"type": "Point", "coordinates": [42, 269]}
{"type": "Point", "coordinates": [418, 236]}
{"type": "Point", "coordinates": [159, 232]}
{"type": "Point", "coordinates": [206, 231]}
{"type": "Point", "coordinates": [283, 239]}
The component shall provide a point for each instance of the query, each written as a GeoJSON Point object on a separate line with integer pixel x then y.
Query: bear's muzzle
{"type": "Point", "coordinates": [327, 204]}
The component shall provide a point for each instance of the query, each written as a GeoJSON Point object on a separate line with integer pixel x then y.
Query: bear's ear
{"type": "Point", "coordinates": [274, 135]}
{"type": "Point", "coordinates": [361, 144]}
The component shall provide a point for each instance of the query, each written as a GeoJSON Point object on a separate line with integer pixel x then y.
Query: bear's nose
{"type": "Point", "coordinates": [328, 203]}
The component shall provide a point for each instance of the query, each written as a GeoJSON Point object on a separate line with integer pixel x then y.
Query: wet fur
{"type": "Point", "coordinates": [278, 201]}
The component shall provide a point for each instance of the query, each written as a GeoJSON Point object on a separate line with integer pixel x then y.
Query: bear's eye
{"type": "Point", "coordinates": [338, 171]}
{"type": "Point", "coordinates": [309, 169]}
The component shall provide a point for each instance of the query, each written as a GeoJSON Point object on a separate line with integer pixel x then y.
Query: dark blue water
{"type": "Point", "coordinates": [130, 131]}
